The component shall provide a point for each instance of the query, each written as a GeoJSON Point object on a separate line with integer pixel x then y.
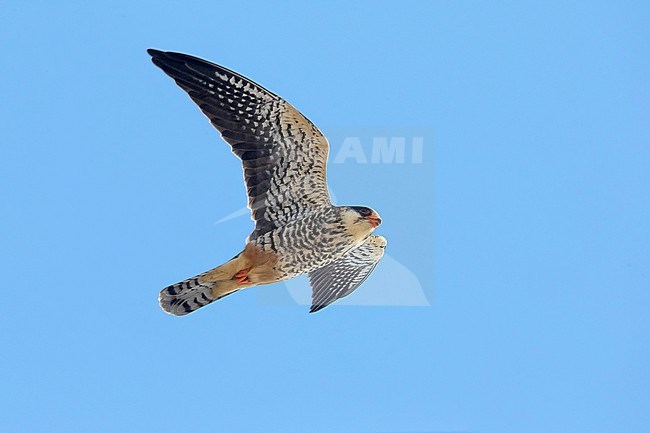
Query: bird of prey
{"type": "Point", "coordinates": [297, 228]}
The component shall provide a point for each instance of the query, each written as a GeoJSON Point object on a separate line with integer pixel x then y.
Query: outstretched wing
{"type": "Point", "coordinates": [342, 277]}
{"type": "Point", "coordinates": [283, 154]}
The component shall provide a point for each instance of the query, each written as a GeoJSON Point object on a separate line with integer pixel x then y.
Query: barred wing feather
{"type": "Point", "coordinates": [283, 154]}
{"type": "Point", "coordinates": [342, 277]}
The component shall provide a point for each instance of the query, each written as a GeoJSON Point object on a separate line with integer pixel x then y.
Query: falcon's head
{"type": "Point", "coordinates": [359, 221]}
{"type": "Point", "coordinates": [367, 215]}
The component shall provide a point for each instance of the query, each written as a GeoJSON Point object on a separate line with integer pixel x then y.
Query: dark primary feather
{"type": "Point", "coordinates": [283, 154]}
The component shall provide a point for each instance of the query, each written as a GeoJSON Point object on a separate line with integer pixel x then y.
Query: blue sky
{"type": "Point", "coordinates": [525, 224]}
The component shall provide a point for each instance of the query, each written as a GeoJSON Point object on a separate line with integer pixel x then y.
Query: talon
{"type": "Point", "coordinates": [241, 277]}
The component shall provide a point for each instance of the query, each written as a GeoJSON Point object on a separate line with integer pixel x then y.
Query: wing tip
{"type": "Point", "coordinates": [160, 57]}
{"type": "Point", "coordinates": [155, 53]}
{"type": "Point", "coordinates": [316, 308]}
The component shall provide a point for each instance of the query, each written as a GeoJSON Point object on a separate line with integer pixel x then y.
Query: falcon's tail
{"type": "Point", "coordinates": [249, 268]}
{"type": "Point", "coordinates": [182, 298]}
{"type": "Point", "coordinates": [187, 296]}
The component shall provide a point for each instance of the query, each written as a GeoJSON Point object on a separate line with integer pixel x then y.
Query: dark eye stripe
{"type": "Point", "coordinates": [363, 211]}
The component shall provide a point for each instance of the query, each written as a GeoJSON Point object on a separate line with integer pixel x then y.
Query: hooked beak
{"type": "Point", "coordinates": [374, 220]}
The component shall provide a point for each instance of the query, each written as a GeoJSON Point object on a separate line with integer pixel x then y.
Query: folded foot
{"type": "Point", "coordinates": [241, 277]}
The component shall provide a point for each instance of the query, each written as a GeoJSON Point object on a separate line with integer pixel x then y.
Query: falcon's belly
{"type": "Point", "coordinates": [309, 243]}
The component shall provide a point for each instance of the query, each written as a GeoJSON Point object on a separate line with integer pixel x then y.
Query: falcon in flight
{"type": "Point", "coordinates": [284, 156]}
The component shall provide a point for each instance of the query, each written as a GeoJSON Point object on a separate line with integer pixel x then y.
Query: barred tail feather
{"type": "Point", "coordinates": [182, 298]}
{"type": "Point", "coordinates": [187, 296]}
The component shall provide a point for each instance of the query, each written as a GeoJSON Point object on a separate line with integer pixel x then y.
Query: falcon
{"type": "Point", "coordinates": [284, 157]}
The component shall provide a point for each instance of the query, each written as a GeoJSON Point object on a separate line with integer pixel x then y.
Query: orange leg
{"type": "Point", "coordinates": [241, 277]}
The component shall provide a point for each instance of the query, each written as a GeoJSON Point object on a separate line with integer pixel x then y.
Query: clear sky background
{"type": "Point", "coordinates": [527, 223]}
